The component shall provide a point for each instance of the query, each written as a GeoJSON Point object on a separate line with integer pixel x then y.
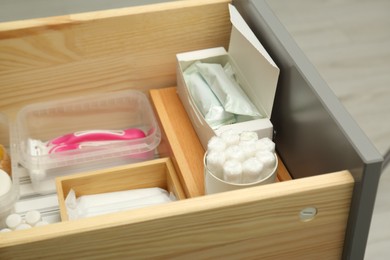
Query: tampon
{"type": "Point", "coordinates": [248, 136]}
{"type": "Point", "coordinates": [267, 158]}
{"type": "Point", "coordinates": [232, 172]}
{"type": "Point", "coordinates": [230, 137]}
{"type": "Point", "coordinates": [216, 144]}
{"type": "Point", "coordinates": [251, 170]}
{"type": "Point", "coordinates": [249, 149]}
{"type": "Point", "coordinates": [265, 144]}
{"type": "Point", "coordinates": [215, 161]}
{"type": "Point", "coordinates": [235, 152]}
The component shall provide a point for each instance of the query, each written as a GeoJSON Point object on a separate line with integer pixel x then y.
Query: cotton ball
{"type": "Point", "coordinates": [4, 230]}
{"type": "Point", "coordinates": [265, 144]}
{"type": "Point", "coordinates": [230, 137]}
{"type": "Point", "coordinates": [232, 172]}
{"type": "Point", "coordinates": [215, 161]}
{"type": "Point", "coordinates": [251, 170]}
{"type": "Point", "coordinates": [216, 144]}
{"type": "Point", "coordinates": [235, 153]}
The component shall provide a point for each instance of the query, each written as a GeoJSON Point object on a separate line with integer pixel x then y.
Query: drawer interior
{"type": "Point", "coordinates": [68, 56]}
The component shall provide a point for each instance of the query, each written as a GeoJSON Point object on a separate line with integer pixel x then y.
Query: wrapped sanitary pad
{"type": "Point", "coordinates": [204, 98]}
{"type": "Point", "coordinates": [98, 204]}
{"type": "Point", "coordinates": [228, 92]}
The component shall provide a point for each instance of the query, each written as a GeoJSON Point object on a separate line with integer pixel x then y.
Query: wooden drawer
{"type": "Point", "coordinates": [135, 47]}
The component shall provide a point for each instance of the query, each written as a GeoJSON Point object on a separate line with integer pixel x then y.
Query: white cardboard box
{"type": "Point", "coordinates": [256, 72]}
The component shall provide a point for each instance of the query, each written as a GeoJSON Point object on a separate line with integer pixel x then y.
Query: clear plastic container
{"type": "Point", "coordinates": [7, 198]}
{"type": "Point", "coordinates": [38, 124]}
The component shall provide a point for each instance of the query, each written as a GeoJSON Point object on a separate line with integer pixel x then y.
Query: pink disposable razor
{"type": "Point", "coordinates": [92, 138]}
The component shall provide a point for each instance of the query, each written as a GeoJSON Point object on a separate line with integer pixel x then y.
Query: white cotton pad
{"type": "Point", "coordinates": [41, 223]}
{"type": "Point", "coordinates": [13, 221]}
{"type": "Point", "coordinates": [215, 161]}
{"type": "Point", "coordinates": [248, 136]}
{"type": "Point", "coordinates": [216, 144]}
{"type": "Point", "coordinates": [235, 152]}
{"type": "Point", "coordinates": [5, 183]}
{"type": "Point", "coordinates": [4, 230]}
{"type": "Point", "coordinates": [267, 158]}
{"type": "Point", "coordinates": [230, 137]}
{"type": "Point", "coordinates": [33, 217]}
{"type": "Point", "coordinates": [251, 170]}
{"type": "Point", "coordinates": [232, 172]}
{"type": "Point", "coordinates": [23, 226]}
{"type": "Point", "coordinates": [265, 144]}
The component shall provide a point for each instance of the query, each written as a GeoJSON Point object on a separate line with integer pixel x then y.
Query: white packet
{"type": "Point", "coordinates": [229, 93]}
{"type": "Point", "coordinates": [206, 101]}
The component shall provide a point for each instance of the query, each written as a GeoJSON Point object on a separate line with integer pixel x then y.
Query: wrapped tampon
{"type": "Point", "coordinates": [229, 93]}
{"type": "Point", "coordinates": [206, 101]}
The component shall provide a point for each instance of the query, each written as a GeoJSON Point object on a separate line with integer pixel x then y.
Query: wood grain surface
{"type": "Point", "coordinates": [259, 223]}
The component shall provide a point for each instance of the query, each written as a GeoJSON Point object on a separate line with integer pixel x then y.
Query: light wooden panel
{"type": "Point", "coordinates": [155, 173]}
{"type": "Point", "coordinates": [133, 47]}
{"type": "Point", "coordinates": [261, 223]}
{"type": "Point", "coordinates": [181, 142]}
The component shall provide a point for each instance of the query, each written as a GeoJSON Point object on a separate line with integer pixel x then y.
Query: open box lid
{"type": "Point", "coordinates": [259, 71]}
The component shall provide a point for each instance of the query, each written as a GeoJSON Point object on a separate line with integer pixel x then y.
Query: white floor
{"type": "Point", "coordinates": [349, 43]}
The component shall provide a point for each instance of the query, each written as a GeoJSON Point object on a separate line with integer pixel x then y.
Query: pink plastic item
{"type": "Point", "coordinates": [90, 138]}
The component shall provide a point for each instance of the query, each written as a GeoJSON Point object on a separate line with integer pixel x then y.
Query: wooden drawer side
{"type": "Point", "coordinates": [261, 222]}
{"type": "Point", "coordinates": [135, 47]}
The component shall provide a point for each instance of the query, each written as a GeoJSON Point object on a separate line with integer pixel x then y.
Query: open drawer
{"type": "Point", "coordinates": [334, 166]}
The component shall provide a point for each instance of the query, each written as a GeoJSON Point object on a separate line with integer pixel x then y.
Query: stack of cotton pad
{"type": "Point", "coordinates": [17, 222]}
{"type": "Point", "coordinates": [240, 158]}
